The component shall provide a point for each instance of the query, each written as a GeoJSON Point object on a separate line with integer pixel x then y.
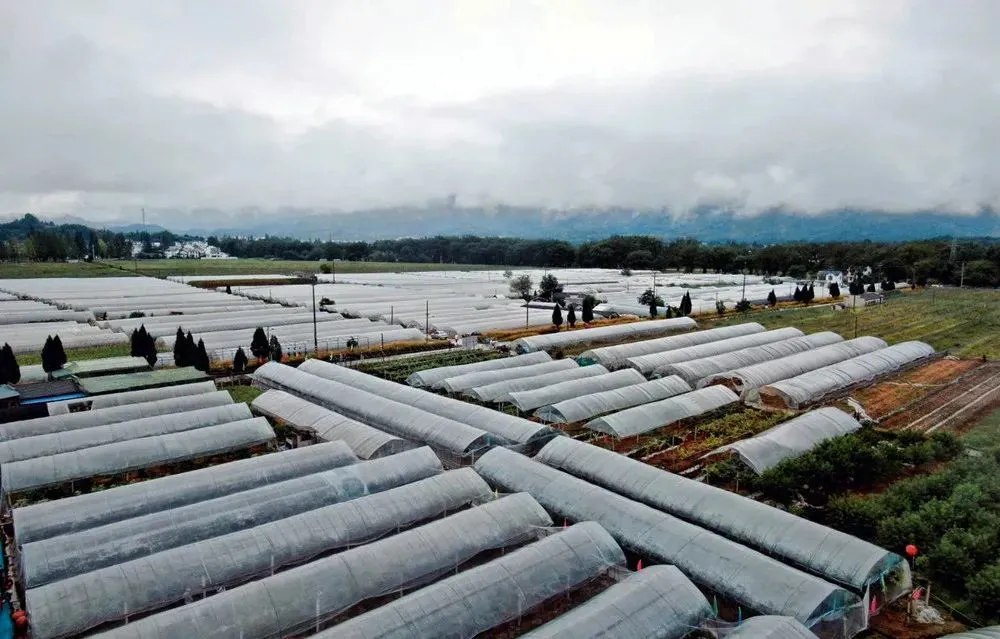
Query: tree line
{"type": "Point", "coordinates": [30, 239]}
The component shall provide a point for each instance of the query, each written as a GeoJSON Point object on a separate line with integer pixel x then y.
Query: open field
{"type": "Point", "coordinates": [79, 354]}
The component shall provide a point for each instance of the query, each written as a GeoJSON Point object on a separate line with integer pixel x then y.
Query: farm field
{"type": "Point", "coordinates": [79, 354]}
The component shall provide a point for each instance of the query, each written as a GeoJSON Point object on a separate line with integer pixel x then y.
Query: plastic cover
{"type": "Point", "coordinates": [471, 380]}
{"type": "Point", "coordinates": [768, 372]}
{"type": "Point", "coordinates": [99, 402]}
{"type": "Point", "coordinates": [529, 400]}
{"type": "Point", "coordinates": [646, 364]}
{"type": "Point", "coordinates": [769, 627]}
{"type": "Point", "coordinates": [615, 357]}
{"type": "Point", "coordinates": [431, 376]}
{"type": "Point", "coordinates": [792, 438]}
{"type": "Point", "coordinates": [298, 600]}
{"type": "Point", "coordinates": [813, 386]}
{"type": "Point", "coordinates": [656, 602]}
{"type": "Point", "coordinates": [826, 552]}
{"type": "Point", "coordinates": [74, 605]}
{"type": "Point", "coordinates": [64, 442]}
{"type": "Point", "coordinates": [48, 519]}
{"type": "Point", "coordinates": [743, 575]}
{"type": "Point", "coordinates": [394, 417]}
{"type": "Point", "coordinates": [365, 441]}
{"type": "Point", "coordinates": [498, 392]}
{"type": "Point", "coordinates": [117, 414]}
{"type": "Point", "coordinates": [484, 597]}
{"type": "Point", "coordinates": [134, 454]}
{"type": "Point", "coordinates": [508, 427]}
{"type": "Point", "coordinates": [588, 406]}
{"type": "Point", "coordinates": [695, 370]}
{"type": "Point", "coordinates": [60, 557]}
{"type": "Point", "coordinates": [600, 334]}
{"type": "Point", "coordinates": [991, 632]}
{"type": "Point", "coordinates": [650, 417]}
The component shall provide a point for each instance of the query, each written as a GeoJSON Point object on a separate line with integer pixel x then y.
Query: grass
{"type": "Point", "coordinates": [250, 266]}
{"type": "Point", "coordinates": [985, 435]}
{"type": "Point", "coordinates": [77, 354]}
{"type": "Point", "coordinates": [243, 394]}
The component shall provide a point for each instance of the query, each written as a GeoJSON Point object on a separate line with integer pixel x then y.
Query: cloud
{"type": "Point", "coordinates": [217, 106]}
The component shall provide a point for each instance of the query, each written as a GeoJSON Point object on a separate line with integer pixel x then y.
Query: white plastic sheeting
{"type": "Point", "coordinates": [601, 334]}
{"type": "Point", "coordinates": [296, 601]}
{"type": "Point", "coordinates": [89, 419]}
{"type": "Point", "coordinates": [499, 391]}
{"type": "Point", "coordinates": [615, 357]}
{"type": "Point", "coordinates": [134, 454]}
{"type": "Point", "coordinates": [991, 632]}
{"type": "Point", "coordinates": [472, 380]}
{"type": "Point", "coordinates": [82, 512]}
{"type": "Point", "coordinates": [60, 557]}
{"type": "Point", "coordinates": [650, 417]}
{"type": "Point", "coordinates": [695, 370]}
{"type": "Point", "coordinates": [529, 400]}
{"type": "Point", "coordinates": [391, 416]}
{"type": "Point", "coordinates": [431, 376]}
{"type": "Point", "coordinates": [656, 602]}
{"type": "Point", "coordinates": [64, 442]}
{"type": "Point", "coordinates": [749, 578]}
{"type": "Point", "coordinates": [769, 627]}
{"type": "Point", "coordinates": [99, 402]}
{"type": "Point", "coordinates": [73, 605]}
{"type": "Point", "coordinates": [365, 441]}
{"type": "Point", "coordinates": [813, 386]}
{"type": "Point", "coordinates": [507, 427]}
{"type": "Point", "coordinates": [828, 553]}
{"type": "Point", "coordinates": [588, 406]}
{"type": "Point", "coordinates": [646, 364]}
{"type": "Point", "coordinates": [768, 372]}
{"type": "Point", "coordinates": [484, 597]}
{"type": "Point", "coordinates": [792, 438]}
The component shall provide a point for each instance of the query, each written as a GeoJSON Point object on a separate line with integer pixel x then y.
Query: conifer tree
{"type": "Point", "coordinates": [274, 347]}
{"type": "Point", "coordinates": [772, 299]}
{"type": "Point", "coordinates": [557, 318]}
{"type": "Point", "coordinates": [239, 360]}
{"type": "Point", "coordinates": [182, 356]}
{"type": "Point", "coordinates": [59, 352]}
{"type": "Point", "coordinates": [571, 316]}
{"type": "Point", "coordinates": [259, 345]}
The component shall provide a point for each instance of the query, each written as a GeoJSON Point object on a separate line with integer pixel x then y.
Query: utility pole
{"type": "Point", "coordinates": [315, 332]}
{"type": "Point", "coordinates": [427, 317]}
{"type": "Point", "coordinates": [961, 281]}
{"type": "Point", "coordinates": [744, 294]}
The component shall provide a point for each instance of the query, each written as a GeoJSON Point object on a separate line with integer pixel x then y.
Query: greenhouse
{"type": "Point", "coordinates": [529, 400]}
{"type": "Point", "coordinates": [502, 425]}
{"type": "Point", "coordinates": [746, 577]}
{"type": "Point", "coordinates": [89, 419]}
{"type": "Point", "coordinates": [828, 553]}
{"type": "Point", "coordinates": [658, 601]}
{"type": "Point", "coordinates": [57, 558]}
{"type": "Point", "coordinates": [587, 406]}
{"type": "Point", "coordinates": [769, 627]}
{"type": "Point", "coordinates": [615, 357]}
{"type": "Point", "coordinates": [100, 402]}
{"type": "Point", "coordinates": [813, 386]}
{"type": "Point", "coordinates": [55, 443]}
{"type": "Point", "coordinates": [298, 600]}
{"type": "Point", "coordinates": [471, 380]}
{"type": "Point", "coordinates": [695, 370]}
{"type": "Point", "coordinates": [326, 425]}
{"type": "Point", "coordinates": [134, 454]}
{"type": "Point", "coordinates": [650, 417]}
{"type": "Point", "coordinates": [427, 378]}
{"type": "Point", "coordinates": [646, 364]}
{"type": "Point", "coordinates": [73, 605]}
{"type": "Point", "coordinates": [486, 596]}
{"type": "Point", "coordinates": [768, 372]}
{"type": "Point", "coordinates": [498, 391]}
{"type": "Point", "coordinates": [792, 438]}
{"type": "Point", "coordinates": [82, 512]}
{"type": "Point", "coordinates": [615, 333]}
{"type": "Point", "coordinates": [394, 417]}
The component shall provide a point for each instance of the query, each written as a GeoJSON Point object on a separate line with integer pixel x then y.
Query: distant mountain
{"type": "Point", "coordinates": [133, 228]}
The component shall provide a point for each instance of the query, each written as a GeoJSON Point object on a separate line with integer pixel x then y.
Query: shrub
{"type": "Point", "coordinates": [720, 307]}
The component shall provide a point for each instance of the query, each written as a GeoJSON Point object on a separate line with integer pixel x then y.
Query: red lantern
{"type": "Point", "coordinates": [911, 550]}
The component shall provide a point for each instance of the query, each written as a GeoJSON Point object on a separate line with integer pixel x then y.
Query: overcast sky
{"type": "Point", "coordinates": [106, 106]}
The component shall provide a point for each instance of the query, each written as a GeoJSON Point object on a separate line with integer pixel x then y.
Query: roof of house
{"type": "Point", "coordinates": [45, 391]}
{"type": "Point", "coordinates": [142, 379]}
{"type": "Point", "coordinates": [6, 392]}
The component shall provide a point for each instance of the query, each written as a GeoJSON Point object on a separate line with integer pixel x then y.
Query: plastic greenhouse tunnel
{"type": "Point", "coordinates": [991, 632]}
{"type": "Point", "coordinates": [658, 601]}
{"type": "Point", "coordinates": [768, 627]}
{"type": "Point", "coordinates": [63, 516]}
{"type": "Point", "coordinates": [585, 407]}
{"type": "Point", "coordinates": [431, 376]}
{"type": "Point", "coordinates": [527, 401]}
{"type": "Point", "coordinates": [299, 600]}
{"type": "Point", "coordinates": [61, 557]}
{"type": "Point", "coordinates": [744, 576]}
{"type": "Point", "coordinates": [499, 391]}
{"type": "Point", "coordinates": [453, 385]}
{"type": "Point", "coordinates": [615, 333]}
{"type": "Point", "coordinates": [825, 552]}
{"type": "Point", "coordinates": [100, 402]}
{"type": "Point", "coordinates": [502, 590]}
{"type": "Point", "coordinates": [74, 605]}
{"type": "Point", "coordinates": [615, 357]}
{"type": "Point", "coordinates": [646, 364]}
{"type": "Point", "coordinates": [656, 415]}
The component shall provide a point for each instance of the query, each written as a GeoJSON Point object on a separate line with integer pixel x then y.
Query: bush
{"type": "Point", "coordinates": [743, 306]}
{"type": "Point", "coordinates": [136, 315]}
{"type": "Point", "coordinates": [325, 267]}
{"type": "Point", "coordinates": [720, 307]}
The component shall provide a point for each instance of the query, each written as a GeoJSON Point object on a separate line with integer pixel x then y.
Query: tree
{"type": "Point", "coordinates": [797, 295]}
{"type": "Point", "coordinates": [149, 349]}
{"type": "Point", "coordinates": [275, 349]}
{"type": "Point", "coordinates": [589, 302]}
{"type": "Point", "coordinates": [239, 361]}
{"type": "Point", "coordinates": [648, 298]}
{"type": "Point", "coordinates": [59, 352]}
{"type": "Point", "coordinates": [557, 318]}
{"type": "Point", "coordinates": [259, 346]}
{"type": "Point", "coordinates": [549, 287]}
{"type": "Point", "coordinates": [669, 313]}
{"type": "Point", "coordinates": [229, 289]}
{"type": "Point", "coordinates": [652, 309]}
{"type": "Point", "coordinates": [571, 316]}
{"type": "Point", "coordinates": [871, 288]}
{"type": "Point", "coordinates": [50, 358]}
{"type": "Point", "coordinates": [508, 274]}
{"type": "Point", "coordinates": [182, 356]}
{"type": "Point", "coordinates": [810, 293]}
{"type": "Point", "coordinates": [202, 361]}
{"type": "Point", "coordinates": [10, 372]}
{"type": "Point", "coordinates": [625, 272]}
{"type": "Point", "coordinates": [743, 306]}
{"type": "Point", "coordinates": [521, 286]}
{"type": "Point", "coordinates": [685, 307]}
{"type": "Point", "coordinates": [137, 342]}
{"type": "Point", "coordinates": [834, 290]}
{"type": "Point", "coordinates": [639, 259]}
{"type": "Point", "coordinates": [720, 307]}
{"type": "Point", "coordinates": [772, 299]}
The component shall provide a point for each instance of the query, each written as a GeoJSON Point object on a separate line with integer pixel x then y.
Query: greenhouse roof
{"type": "Point", "coordinates": [602, 334]}
{"type": "Point", "coordinates": [529, 400]}
{"type": "Point", "coordinates": [649, 417]}
{"type": "Point", "coordinates": [584, 407]}
{"type": "Point", "coordinates": [431, 376]}
{"type": "Point", "coordinates": [646, 364]}
{"type": "Point", "coordinates": [145, 379]}
{"type": "Point", "coordinates": [615, 357]}
{"type": "Point", "coordinates": [770, 627]}
{"type": "Point", "coordinates": [498, 391]}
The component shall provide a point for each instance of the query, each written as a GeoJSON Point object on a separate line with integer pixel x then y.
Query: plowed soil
{"type": "Point", "coordinates": [885, 398]}
{"type": "Point", "coordinates": [952, 407]}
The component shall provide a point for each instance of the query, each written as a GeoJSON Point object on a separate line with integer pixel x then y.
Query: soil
{"type": "Point", "coordinates": [884, 399]}
{"type": "Point", "coordinates": [952, 407]}
{"type": "Point", "coordinates": [893, 623]}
